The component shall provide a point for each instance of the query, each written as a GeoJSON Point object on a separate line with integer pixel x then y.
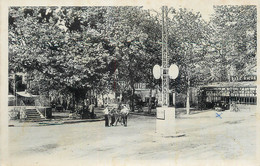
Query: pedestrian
{"type": "Point", "coordinates": [124, 114]}
{"type": "Point", "coordinates": [106, 112]}
{"type": "Point", "coordinates": [84, 111]}
{"type": "Point", "coordinates": [112, 115]}
{"type": "Point", "coordinates": [118, 117]}
{"type": "Point", "coordinates": [91, 109]}
{"type": "Point", "coordinates": [119, 105]}
{"type": "Point", "coordinates": [117, 114]}
{"type": "Point", "coordinates": [87, 109]}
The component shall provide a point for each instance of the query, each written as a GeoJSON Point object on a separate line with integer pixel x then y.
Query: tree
{"type": "Point", "coordinates": [71, 61]}
{"type": "Point", "coordinates": [234, 40]}
{"type": "Point", "coordinates": [152, 27]}
{"type": "Point", "coordinates": [131, 33]}
{"type": "Point", "coordinates": [188, 36]}
{"type": "Point", "coordinates": [69, 51]}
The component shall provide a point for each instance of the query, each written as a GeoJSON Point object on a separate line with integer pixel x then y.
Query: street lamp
{"type": "Point", "coordinates": [14, 88]}
{"type": "Point", "coordinates": [165, 114]}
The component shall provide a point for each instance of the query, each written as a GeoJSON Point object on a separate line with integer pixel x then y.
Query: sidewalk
{"type": "Point", "coordinates": [58, 118]}
{"type": "Point", "coordinates": [61, 118]}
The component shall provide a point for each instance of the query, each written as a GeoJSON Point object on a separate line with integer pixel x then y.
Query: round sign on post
{"type": "Point", "coordinates": [156, 71]}
{"type": "Point", "coordinates": [173, 71]}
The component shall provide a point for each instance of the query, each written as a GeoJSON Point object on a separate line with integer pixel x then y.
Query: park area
{"type": "Point", "coordinates": [208, 135]}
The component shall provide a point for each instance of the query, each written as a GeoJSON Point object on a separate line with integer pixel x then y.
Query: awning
{"type": "Point", "coordinates": [232, 84]}
{"type": "Point", "coordinates": [25, 94]}
{"type": "Point", "coordinates": [11, 97]}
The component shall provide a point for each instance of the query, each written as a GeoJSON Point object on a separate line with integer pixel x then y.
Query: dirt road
{"type": "Point", "coordinates": [206, 136]}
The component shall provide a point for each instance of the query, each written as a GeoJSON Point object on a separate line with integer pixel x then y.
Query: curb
{"type": "Point", "coordinates": [51, 123]}
{"type": "Point", "coordinates": [134, 113]}
{"type": "Point", "coordinates": [80, 121]}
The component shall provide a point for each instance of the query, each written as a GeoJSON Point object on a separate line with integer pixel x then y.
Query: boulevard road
{"type": "Point", "coordinates": [203, 136]}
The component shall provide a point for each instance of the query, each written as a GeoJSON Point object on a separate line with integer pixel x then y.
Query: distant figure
{"type": "Point", "coordinates": [87, 106]}
{"type": "Point", "coordinates": [117, 113]}
{"type": "Point", "coordinates": [124, 113]}
{"type": "Point", "coordinates": [106, 112]}
{"type": "Point", "coordinates": [85, 111]}
{"type": "Point", "coordinates": [91, 109]}
{"type": "Point", "coordinates": [119, 105]}
{"type": "Point", "coordinates": [112, 113]}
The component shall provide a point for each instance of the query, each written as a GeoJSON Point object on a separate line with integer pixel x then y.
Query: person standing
{"type": "Point", "coordinates": [117, 112]}
{"type": "Point", "coordinates": [106, 112]}
{"type": "Point", "coordinates": [91, 109]}
{"type": "Point", "coordinates": [124, 114]}
{"type": "Point", "coordinates": [112, 115]}
{"type": "Point", "coordinates": [85, 110]}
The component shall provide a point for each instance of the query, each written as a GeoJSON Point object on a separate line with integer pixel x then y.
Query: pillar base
{"type": "Point", "coordinates": [165, 121]}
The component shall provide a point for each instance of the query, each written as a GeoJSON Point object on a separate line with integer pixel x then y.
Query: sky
{"type": "Point", "coordinates": [206, 12]}
{"type": "Point", "coordinates": [205, 7]}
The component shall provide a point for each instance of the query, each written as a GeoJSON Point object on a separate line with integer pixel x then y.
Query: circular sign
{"type": "Point", "coordinates": [156, 71]}
{"type": "Point", "coordinates": [173, 71]}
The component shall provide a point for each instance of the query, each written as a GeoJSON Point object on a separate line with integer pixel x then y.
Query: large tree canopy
{"type": "Point", "coordinates": [69, 51]}
{"type": "Point", "coordinates": [234, 41]}
{"type": "Point", "coordinates": [74, 49]}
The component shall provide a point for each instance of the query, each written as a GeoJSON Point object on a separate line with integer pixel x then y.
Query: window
{"type": "Point", "coordinates": [241, 95]}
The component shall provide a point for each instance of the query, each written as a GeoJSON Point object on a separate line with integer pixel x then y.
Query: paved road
{"type": "Point", "coordinates": [207, 137]}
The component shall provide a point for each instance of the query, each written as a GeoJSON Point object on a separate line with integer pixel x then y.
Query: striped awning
{"type": "Point", "coordinates": [25, 94]}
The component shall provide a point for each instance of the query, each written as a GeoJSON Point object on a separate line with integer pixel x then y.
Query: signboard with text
{"type": "Point", "coordinates": [160, 114]}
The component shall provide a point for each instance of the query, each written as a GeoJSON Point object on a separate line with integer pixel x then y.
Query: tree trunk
{"type": "Point", "coordinates": [83, 103]}
{"type": "Point", "coordinates": [103, 100]}
{"type": "Point", "coordinates": [132, 99]}
{"type": "Point", "coordinates": [74, 102]}
{"type": "Point", "coordinates": [95, 98]}
{"type": "Point", "coordinates": [150, 101]}
{"type": "Point", "coordinates": [92, 95]}
{"type": "Point", "coordinates": [67, 102]}
{"type": "Point", "coordinates": [188, 98]}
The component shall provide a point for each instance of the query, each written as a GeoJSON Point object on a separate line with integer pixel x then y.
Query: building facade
{"type": "Point", "coordinates": [241, 92]}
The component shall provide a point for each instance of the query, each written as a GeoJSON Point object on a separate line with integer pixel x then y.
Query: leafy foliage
{"type": "Point", "coordinates": [234, 41]}
{"type": "Point", "coordinates": [69, 52]}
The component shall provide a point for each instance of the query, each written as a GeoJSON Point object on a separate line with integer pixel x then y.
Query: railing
{"type": "Point", "coordinates": [39, 112]}
{"type": "Point", "coordinates": [38, 104]}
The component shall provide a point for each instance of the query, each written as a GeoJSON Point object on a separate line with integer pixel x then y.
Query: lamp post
{"type": "Point", "coordinates": [165, 114]}
{"type": "Point", "coordinates": [14, 88]}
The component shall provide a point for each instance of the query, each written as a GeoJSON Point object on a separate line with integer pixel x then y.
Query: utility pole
{"type": "Point", "coordinates": [165, 123]}
{"type": "Point", "coordinates": [15, 90]}
{"type": "Point", "coordinates": [165, 70]}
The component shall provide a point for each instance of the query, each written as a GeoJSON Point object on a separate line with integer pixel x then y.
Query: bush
{"type": "Point", "coordinates": [14, 114]}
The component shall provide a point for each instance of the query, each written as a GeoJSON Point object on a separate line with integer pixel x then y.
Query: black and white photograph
{"type": "Point", "coordinates": [129, 84]}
